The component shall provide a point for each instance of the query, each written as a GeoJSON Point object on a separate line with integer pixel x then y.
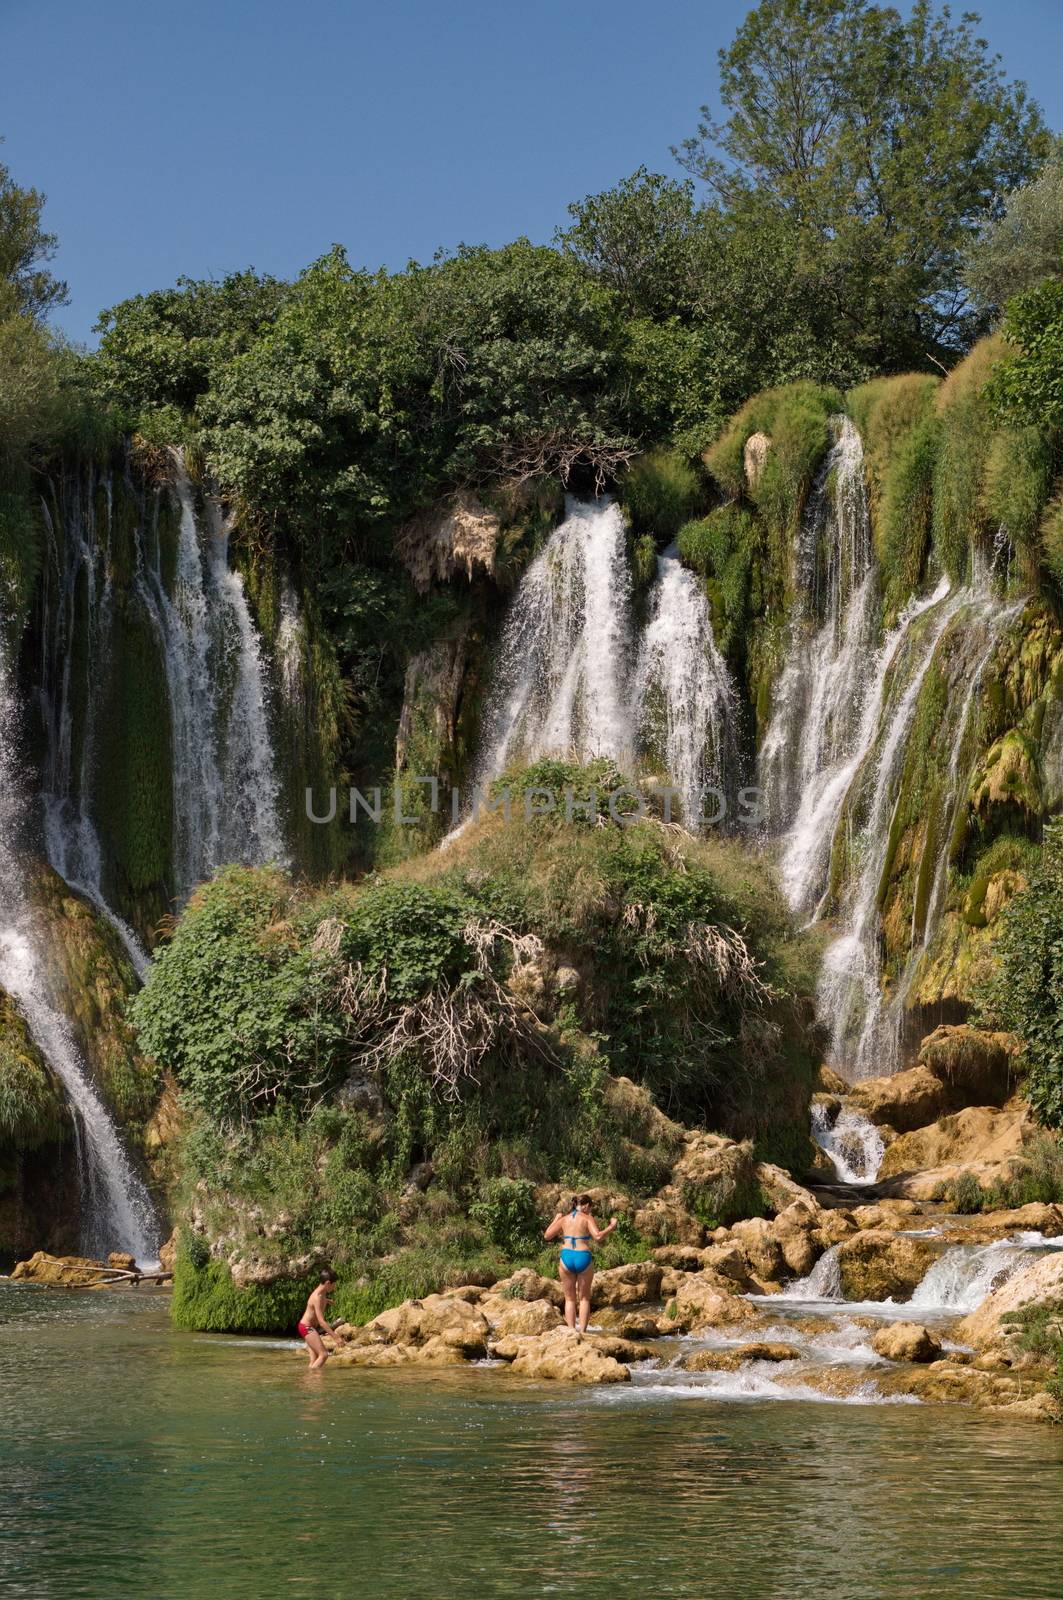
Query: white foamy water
{"type": "Point", "coordinates": [685, 699]}
{"type": "Point", "coordinates": [852, 1142]}
{"type": "Point", "coordinates": [961, 1279]}
{"type": "Point", "coordinates": [563, 661]}
{"type": "Point", "coordinates": [116, 1212]}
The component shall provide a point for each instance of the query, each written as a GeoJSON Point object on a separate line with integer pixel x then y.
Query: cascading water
{"type": "Point", "coordinates": [569, 655]}
{"type": "Point", "coordinates": [852, 1142]}
{"type": "Point", "coordinates": [116, 1212]}
{"type": "Point", "coordinates": [818, 730]}
{"type": "Point", "coordinates": [850, 994]}
{"type": "Point", "coordinates": [684, 701]}
{"type": "Point", "coordinates": [565, 650]}
{"type": "Point", "coordinates": [224, 782]}
{"type": "Point", "coordinates": [84, 596]}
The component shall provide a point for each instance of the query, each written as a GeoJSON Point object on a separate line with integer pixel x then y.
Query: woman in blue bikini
{"type": "Point", "coordinates": [577, 1262]}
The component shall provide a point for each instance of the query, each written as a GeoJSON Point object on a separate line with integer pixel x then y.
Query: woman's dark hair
{"type": "Point", "coordinates": [581, 1200]}
{"type": "Point", "coordinates": [328, 1276]}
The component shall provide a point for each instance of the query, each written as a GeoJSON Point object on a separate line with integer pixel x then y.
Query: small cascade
{"type": "Point", "coordinates": [565, 651]}
{"type": "Point", "coordinates": [850, 996]}
{"type": "Point", "coordinates": [116, 1211]}
{"type": "Point", "coordinates": [960, 1279]}
{"type": "Point", "coordinates": [574, 680]}
{"type": "Point", "coordinates": [852, 1142]}
{"type": "Point", "coordinates": [824, 1282]}
{"type": "Point", "coordinates": [685, 700]}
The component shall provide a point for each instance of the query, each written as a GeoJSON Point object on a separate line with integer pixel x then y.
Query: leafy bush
{"type": "Point", "coordinates": [235, 1006]}
{"type": "Point", "coordinates": [660, 491]}
{"type": "Point", "coordinates": [506, 1208]}
{"type": "Point", "coordinates": [966, 1195]}
{"type": "Point", "coordinates": [1024, 991]}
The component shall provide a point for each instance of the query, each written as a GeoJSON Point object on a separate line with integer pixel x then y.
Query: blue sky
{"type": "Point", "coordinates": [224, 133]}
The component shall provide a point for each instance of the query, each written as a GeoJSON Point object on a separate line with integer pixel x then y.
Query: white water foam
{"type": "Point", "coordinates": [853, 1143]}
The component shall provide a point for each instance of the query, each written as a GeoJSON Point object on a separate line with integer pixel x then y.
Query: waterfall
{"type": "Point", "coordinates": [984, 627]}
{"type": "Point", "coordinates": [574, 679]}
{"type": "Point", "coordinates": [684, 700]}
{"type": "Point", "coordinates": [71, 842]}
{"type": "Point", "coordinates": [824, 1282]}
{"type": "Point", "coordinates": [813, 741]}
{"type": "Point", "coordinates": [224, 781]}
{"type": "Point", "coordinates": [850, 996]}
{"type": "Point", "coordinates": [852, 1142]}
{"type": "Point", "coordinates": [116, 1212]}
{"type": "Point", "coordinates": [564, 655]}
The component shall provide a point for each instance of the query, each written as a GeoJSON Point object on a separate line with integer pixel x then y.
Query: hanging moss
{"type": "Point", "coordinates": [723, 548]}
{"type": "Point", "coordinates": [898, 424]}
{"type": "Point", "coordinates": [960, 521]}
{"type": "Point", "coordinates": [796, 420]}
{"type": "Point", "coordinates": [1018, 481]}
{"type": "Point", "coordinates": [125, 517]}
{"type": "Point", "coordinates": [32, 1107]}
{"type": "Point", "coordinates": [660, 491]}
{"type": "Point", "coordinates": [20, 556]}
{"type": "Point", "coordinates": [206, 1300]}
{"type": "Point", "coordinates": [134, 796]}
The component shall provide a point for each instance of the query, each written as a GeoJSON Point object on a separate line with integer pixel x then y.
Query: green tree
{"type": "Point", "coordinates": [1024, 246]}
{"type": "Point", "coordinates": [25, 247]}
{"type": "Point", "coordinates": [1024, 992]}
{"type": "Point", "coordinates": [838, 112]}
{"type": "Point", "coordinates": [644, 240]}
{"type": "Point", "coordinates": [164, 349]}
{"type": "Point", "coordinates": [1027, 386]}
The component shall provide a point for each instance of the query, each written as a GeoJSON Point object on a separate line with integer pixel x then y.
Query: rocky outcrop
{"type": "Point", "coordinates": [906, 1341]}
{"type": "Point", "coordinates": [976, 1136]}
{"type": "Point", "coordinates": [902, 1100]}
{"type": "Point", "coordinates": [460, 536]}
{"type": "Point", "coordinates": [986, 1327]}
{"type": "Point", "coordinates": [976, 1066]}
{"type": "Point", "coordinates": [566, 1357]}
{"type": "Point", "coordinates": [881, 1265]}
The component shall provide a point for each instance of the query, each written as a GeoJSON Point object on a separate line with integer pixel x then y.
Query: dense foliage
{"type": "Point", "coordinates": [1024, 992]}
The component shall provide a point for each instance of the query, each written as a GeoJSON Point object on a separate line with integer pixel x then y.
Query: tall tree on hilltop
{"type": "Point", "coordinates": [884, 143]}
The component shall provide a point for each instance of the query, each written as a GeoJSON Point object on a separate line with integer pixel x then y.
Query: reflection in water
{"type": "Point", "coordinates": [141, 1462]}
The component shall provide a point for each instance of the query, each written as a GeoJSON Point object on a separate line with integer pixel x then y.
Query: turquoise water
{"type": "Point", "coordinates": [140, 1461]}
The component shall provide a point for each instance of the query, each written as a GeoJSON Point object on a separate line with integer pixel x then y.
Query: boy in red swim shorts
{"type": "Point", "coordinates": [314, 1321]}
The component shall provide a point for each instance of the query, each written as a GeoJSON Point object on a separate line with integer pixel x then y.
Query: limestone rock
{"type": "Point", "coordinates": [668, 1219]}
{"type": "Point", "coordinates": [562, 1357]}
{"type": "Point", "coordinates": [976, 1134]}
{"type": "Point", "coordinates": [880, 1265]}
{"type": "Point", "coordinates": [507, 1316]}
{"type": "Point", "coordinates": [794, 1228]}
{"type": "Point", "coordinates": [459, 1326]}
{"type": "Point", "coordinates": [631, 1285]}
{"type": "Point", "coordinates": [906, 1341]}
{"type": "Point", "coordinates": [706, 1300]}
{"type": "Point", "coordinates": [830, 1082]}
{"type": "Point", "coordinates": [527, 1284]}
{"type": "Point", "coordinates": [754, 457]}
{"type": "Point", "coordinates": [70, 1270]}
{"type": "Point", "coordinates": [903, 1100]}
{"type": "Point", "coordinates": [782, 1190]}
{"type": "Point", "coordinates": [461, 535]}
{"type": "Point", "coordinates": [976, 1065]}
{"type": "Point", "coordinates": [984, 1327]}
{"type": "Point", "coordinates": [761, 1247]}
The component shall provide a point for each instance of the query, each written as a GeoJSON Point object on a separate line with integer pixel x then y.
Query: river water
{"type": "Point", "coordinates": [141, 1461]}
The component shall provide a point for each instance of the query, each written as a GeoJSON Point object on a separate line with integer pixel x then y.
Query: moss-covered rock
{"type": "Point", "coordinates": [38, 1170]}
{"type": "Point", "coordinates": [93, 980]}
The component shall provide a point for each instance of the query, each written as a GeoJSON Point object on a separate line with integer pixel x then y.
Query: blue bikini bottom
{"type": "Point", "coordinates": [576, 1260]}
